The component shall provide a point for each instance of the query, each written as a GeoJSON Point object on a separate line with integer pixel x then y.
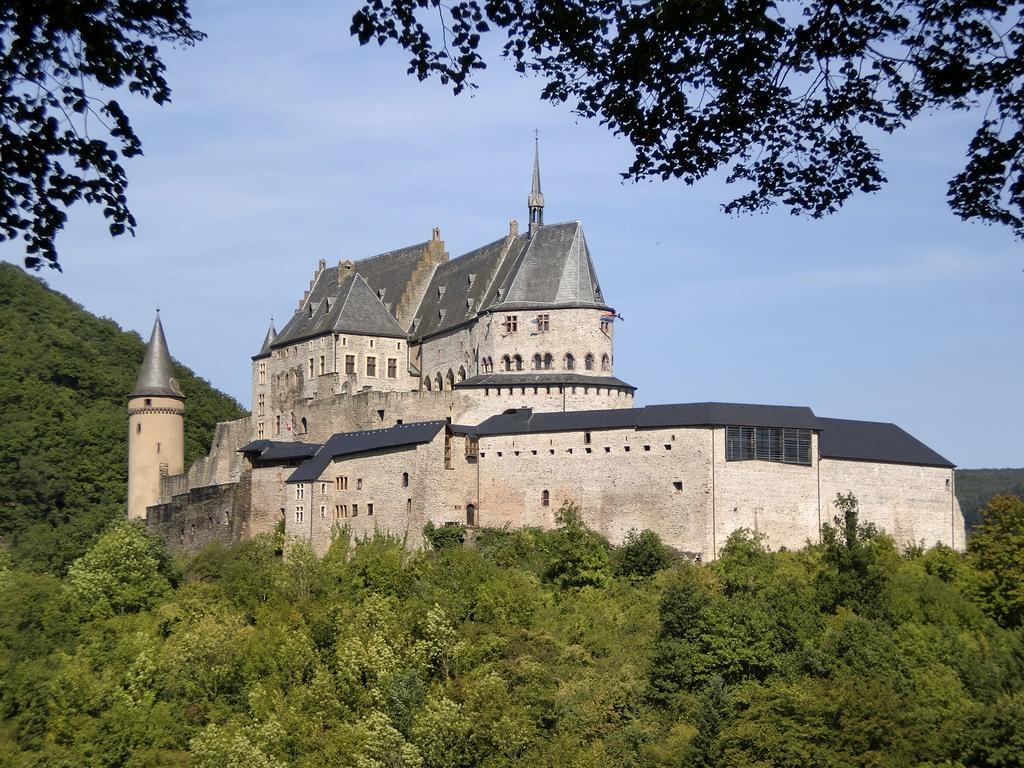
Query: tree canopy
{"type": "Point", "coordinates": [62, 133]}
{"type": "Point", "coordinates": [787, 98]}
{"type": "Point", "coordinates": [515, 649]}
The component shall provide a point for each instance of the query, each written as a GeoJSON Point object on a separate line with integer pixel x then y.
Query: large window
{"type": "Point", "coordinates": [789, 446]}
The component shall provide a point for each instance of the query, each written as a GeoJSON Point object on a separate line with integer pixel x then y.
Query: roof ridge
{"type": "Point", "coordinates": [389, 253]}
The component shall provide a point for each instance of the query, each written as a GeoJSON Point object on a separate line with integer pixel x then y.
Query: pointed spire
{"type": "Point", "coordinates": [536, 199]}
{"type": "Point", "coordinates": [267, 341]}
{"type": "Point", "coordinates": [156, 377]}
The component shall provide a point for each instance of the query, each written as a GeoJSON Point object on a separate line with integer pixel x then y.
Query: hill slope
{"type": "Point", "coordinates": [64, 378]}
{"type": "Point", "coordinates": [974, 488]}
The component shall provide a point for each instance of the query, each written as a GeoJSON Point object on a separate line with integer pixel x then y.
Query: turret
{"type": "Point", "coordinates": [156, 427]}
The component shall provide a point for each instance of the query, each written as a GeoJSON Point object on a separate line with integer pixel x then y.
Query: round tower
{"type": "Point", "coordinates": [156, 427]}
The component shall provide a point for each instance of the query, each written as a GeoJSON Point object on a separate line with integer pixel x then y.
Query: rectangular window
{"type": "Point", "coordinates": [355, 510]}
{"type": "Point", "coordinates": [310, 368]}
{"type": "Point", "coordinates": [350, 364]}
{"type": "Point", "coordinates": [323, 365]}
{"type": "Point", "coordinates": [359, 483]}
{"type": "Point", "coordinates": [543, 323]}
{"type": "Point", "coordinates": [300, 491]}
{"type": "Point", "coordinates": [340, 511]}
{"type": "Point", "coordinates": [392, 368]}
{"type": "Point", "coordinates": [259, 430]}
{"type": "Point", "coordinates": [341, 483]}
{"type": "Point", "coordinates": [323, 487]}
{"type": "Point", "coordinates": [369, 509]}
{"type": "Point", "coordinates": [448, 452]}
{"type": "Point", "coordinates": [261, 404]}
{"type": "Point", "coordinates": [371, 366]}
{"type": "Point", "coordinates": [511, 323]}
{"type": "Point", "coordinates": [299, 513]}
{"type": "Point", "coordinates": [263, 372]}
{"type": "Point", "coordinates": [787, 446]}
{"type": "Point", "coordinates": [323, 511]}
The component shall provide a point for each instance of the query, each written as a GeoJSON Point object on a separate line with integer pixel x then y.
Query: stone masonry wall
{"type": "Point", "coordinates": [191, 520]}
{"type": "Point", "coordinates": [913, 504]}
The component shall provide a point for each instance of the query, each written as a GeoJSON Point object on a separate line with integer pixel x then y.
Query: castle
{"type": "Point", "coordinates": [410, 388]}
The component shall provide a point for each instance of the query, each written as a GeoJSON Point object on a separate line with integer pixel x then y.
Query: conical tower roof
{"type": "Point", "coordinates": [267, 341]}
{"type": "Point", "coordinates": [156, 377]}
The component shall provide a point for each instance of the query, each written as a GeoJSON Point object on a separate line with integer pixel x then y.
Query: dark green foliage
{"type": "Point", "coordinates": [787, 100]}
{"type": "Point", "coordinates": [60, 64]}
{"type": "Point", "coordinates": [641, 555]}
{"type": "Point", "coordinates": [527, 650]}
{"type": "Point", "coordinates": [996, 548]}
{"type": "Point", "coordinates": [445, 536]}
{"type": "Point", "coordinates": [64, 380]}
{"type": "Point", "coordinates": [975, 487]}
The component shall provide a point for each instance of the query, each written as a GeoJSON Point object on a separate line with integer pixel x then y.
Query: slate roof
{"type": "Point", "coordinates": [268, 340]}
{"type": "Point", "coordinates": [550, 269]}
{"type": "Point", "coordinates": [351, 307]}
{"type": "Point", "coordinates": [522, 379]}
{"type": "Point", "coordinates": [156, 376]}
{"type": "Point", "coordinates": [458, 288]}
{"type": "Point", "coordinates": [349, 443]}
{"type": "Point", "coordinates": [273, 450]}
{"type": "Point", "coordinates": [524, 420]}
{"type": "Point", "coordinates": [728, 415]}
{"type": "Point", "coordinates": [389, 273]}
{"type": "Point", "coordinates": [875, 441]}
{"type": "Point", "coordinates": [554, 270]}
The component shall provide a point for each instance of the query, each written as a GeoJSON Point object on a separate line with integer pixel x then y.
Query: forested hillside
{"type": "Point", "coordinates": [64, 379]}
{"type": "Point", "coordinates": [974, 488]}
{"type": "Point", "coordinates": [530, 649]}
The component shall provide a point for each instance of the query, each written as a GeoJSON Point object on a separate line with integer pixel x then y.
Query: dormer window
{"type": "Point", "coordinates": [380, 293]}
{"type": "Point", "coordinates": [440, 291]}
{"type": "Point", "coordinates": [472, 278]}
{"type": "Point", "coordinates": [440, 314]}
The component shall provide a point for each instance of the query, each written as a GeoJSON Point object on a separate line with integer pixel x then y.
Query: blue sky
{"type": "Point", "coordinates": [286, 143]}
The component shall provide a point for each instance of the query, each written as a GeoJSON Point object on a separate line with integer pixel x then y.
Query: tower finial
{"type": "Point", "coordinates": [536, 199]}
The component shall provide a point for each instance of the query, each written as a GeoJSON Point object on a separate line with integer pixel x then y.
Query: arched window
{"type": "Point", "coordinates": [426, 383]}
{"type": "Point", "coordinates": [405, 479]}
{"type": "Point", "coordinates": [588, 362]}
{"type": "Point", "coordinates": [606, 363]}
{"type": "Point", "coordinates": [462, 373]}
{"type": "Point", "coordinates": [518, 362]}
{"type": "Point", "coordinates": [470, 515]}
{"type": "Point", "coordinates": [548, 359]}
{"type": "Point", "coordinates": [545, 498]}
{"type": "Point", "coordinates": [537, 363]}
{"type": "Point", "coordinates": [450, 380]}
{"type": "Point", "coordinates": [570, 361]}
{"type": "Point", "coordinates": [439, 381]}
{"type": "Point", "coordinates": [303, 422]}
{"type": "Point", "coordinates": [488, 365]}
{"type": "Point", "coordinates": [506, 363]}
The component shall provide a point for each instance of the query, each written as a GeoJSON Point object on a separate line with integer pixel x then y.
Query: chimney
{"type": "Point", "coordinates": [513, 228]}
{"type": "Point", "coordinates": [345, 268]}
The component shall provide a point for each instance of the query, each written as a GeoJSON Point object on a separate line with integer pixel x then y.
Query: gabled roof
{"type": "Point", "coordinates": [350, 306]}
{"type": "Point", "coordinates": [389, 273]}
{"type": "Point", "coordinates": [875, 441]}
{"type": "Point", "coordinates": [458, 288]}
{"type": "Point", "coordinates": [156, 376]}
{"type": "Point", "coordinates": [554, 270]}
{"type": "Point", "coordinates": [349, 443]}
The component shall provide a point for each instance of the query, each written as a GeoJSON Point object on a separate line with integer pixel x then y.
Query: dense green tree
{"type": "Point", "coordinates": [997, 548]}
{"type": "Point", "coordinates": [579, 556]}
{"type": "Point", "coordinates": [64, 380]}
{"type": "Point", "coordinates": [641, 555]}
